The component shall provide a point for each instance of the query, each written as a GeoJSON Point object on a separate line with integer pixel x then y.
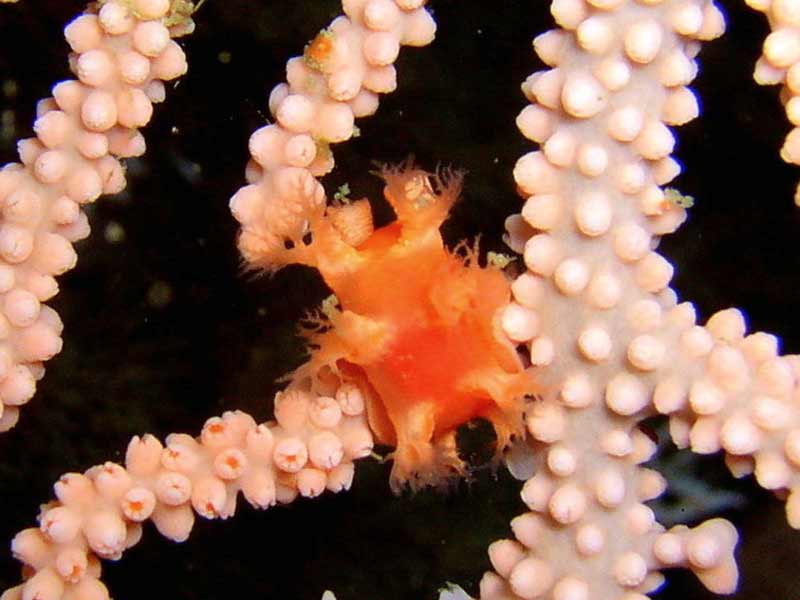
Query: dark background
{"type": "Point", "coordinates": [163, 329]}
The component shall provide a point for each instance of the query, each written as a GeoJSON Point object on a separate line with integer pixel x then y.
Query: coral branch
{"type": "Point", "coordinates": [339, 78]}
{"type": "Point", "coordinates": [603, 326]}
{"type": "Point", "coordinates": [780, 65]}
{"type": "Point", "coordinates": [99, 514]}
{"type": "Point", "coordinates": [122, 54]}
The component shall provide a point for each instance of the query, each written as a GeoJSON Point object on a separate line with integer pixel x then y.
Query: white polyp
{"type": "Point", "coordinates": [92, 145]}
{"type": "Point", "coordinates": [769, 413]}
{"type": "Point", "coordinates": [703, 551]}
{"type": "Point", "coordinates": [594, 35]}
{"type": "Point", "coordinates": [668, 548]}
{"type": "Point", "coordinates": [535, 123]}
{"type": "Point", "coordinates": [759, 347]}
{"type": "Point", "coordinates": [687, 18]}
{"type": "Point", "coordinates": [592, 160]}
{"type": "Point", "coordinates": [150, 38]}
{"type": "Point", "coordinates": [609, 488]}
{"type": "Point", "coordinates": [653, 273]}
{"type": "Point", "coordinates": [105, 533]}
{"type": "Point", "coordinates": [706, 398]}
{"type": "Point", "coordinates": [631, 241]}
{"type": "Point", "coordinates": [551, 45]}
{"type": "Point", "coordinates": [50, 166]}
{"type": "Point", "coordinates": [542, 211]}
{"type": "Point", "coordinates": [782, 48]}
{"type": "Point", "coordinates": [504, 555]}
{"type": "Point", "coordinates": [630, 569]}
{"type": "Point", "coordinates": [138, 504]}
{"type": "Point", "coordinates": [519, 323]}
{"type": "Point", "coordinates": [290, 454]}
{"type": "Point", "coordinates": [785, 11]}
{"type": "Point", "coordinates": [542, 253]}
{"type": "Point", "coordinates": [542, 351]}
{"type": "Point", "coordinates": [568, 504]}
{"type": "Point", "coordinates": [670, 395]}
{"type": "Point", "coordinates": [595, 343]}
{"type": "Point", "coordinates": [728, 367]}
{"type": "Point", "coordinates": [350, 399]}
{"type": "Point", "coordinates": [630, 177]}
{"type": "Point", "coordinates": [83, 33]}
{"type": "Point", "coordinates": [626, 394]}
{"type": "Point", "coordinates": [536, 493]}
{"type": "Point", "coordinates": [697, 341]}
{"type": "Point", "coordinates": [676, 69]}
{"type": "Point", "coordinates": [300, 150]}
{"type": "Point", "coordinates": [86, 184]}
{"type": "Point", "coordinates": [604, 291]}
{"type": "Point", "coordinates": [640, 518]}
{"type": "Point", "coordinates": [531, 578]}
{"type": "Point", "coordinates": [590, 540]}
{"type": "Point", "coordinates": [765, 73]}
{"type": "Point", "coordinates": [568, 13]}
{"type": "Point", "coordinates": [771, 471]}
{"type": "Point", "coordinates": [546, 87]}
{"type": "Point", "coordinates": [582, 96]}
{"type": "Point", "coordinates": [739, 435]}
{"type": "Point", "coordinates": [528, 290]}
{"type": "Point", "coordinates": [613, 73]}
{"type": "Point", "coordinates": [21, 307]}
{"type": "Point", "coordinates": [616, 442]}
{"type": "Point", "coordinates": [345, 84]}
{"type": "Point", "coordinates": [681, 106]}
{"type": "Point", "coordinates": [381, 48]}
{"type": "Point", "coordinates": [643, 41]}
{"type": "Point", "coordinates": [775, 377]}
{"type": "Point", "coordinates": [99, 111]}
{"type": "Point", "coordinates": [571, 588]}
{"type": "Point", "coordinates": [95, 68]}
{"type": "Point", "coordinates": [296, 113]}
{"type": "Point", "coordinates": [546, 423]}
{"type": "Point", "coordinates": [577, 391]}
{"type": "Point", "coordinates": [727, 325]}
{"type": "Point", "coordinates": [61, 524]}
{"type": "Point", "coordinates": [325, 412]}
{"type": "Point", "coordinates": [655, 141]}
{"type": "Point", "coordinates": [652, 201]}
{"type": "Point", "coordinates": [381, 15]}
{"type": "Point", "coordinates": [571, 276]}
{"type": "Point", "coordinates": [28, 150]}
{"type": "Point", "coordinates": [645, 315]}
{"type": "Point", "coordinates": [16, 244]}
{"type": "Point", "coordinates": [230, 464]}
{"type": "Point", "coordinates": [381, 79]}
{"type": "Point", "coordinates": [325, 450]}
{"type": "Point", "coordinates": [52, 128]}
{"type": "Point", "coordinates": [593, 213]}
{"type": "Point", "coordinates": [560, 148]}
{"type": "Point", "coordinates": [535, 175]}
{"type": "Point", "coordinates": [646, 352]}
{"type": "Point", "coordinates": [21, 206]}
{"type": "Point", "coordinates": [625, 123]}
{"type": "Point", "coordinates": [704, 435]}
{"type": "Point", "coordinates": [561, 461]}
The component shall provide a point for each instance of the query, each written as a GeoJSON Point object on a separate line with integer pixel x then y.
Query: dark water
{"type": "Point", "coordinates": [163, 330]}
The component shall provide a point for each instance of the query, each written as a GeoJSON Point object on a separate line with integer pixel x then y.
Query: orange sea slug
{"type": "Point", "coordinates": [416, 327]}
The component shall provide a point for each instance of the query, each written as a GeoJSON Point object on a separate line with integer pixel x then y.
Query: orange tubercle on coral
{"type": "Point", "coordinates": [416, 329]}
